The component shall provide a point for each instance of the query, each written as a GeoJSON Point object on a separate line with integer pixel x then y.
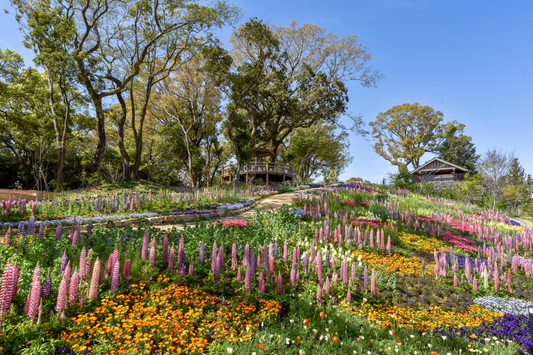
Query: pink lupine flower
{"type": "Point", "coordinates": [191, 269]}
{"type": "Point", "coordinates": [8, 284]}
{"type": "Point", "coordinates": [64, 262]}
{"type": "Point", "coordinates": [345, 279]}
{"type": "Point", "coordinates": [115, 277]}
{"type": "Point", "coordinates": [217, 269]}
{"type": "Point", "coordinates": [83, 264]}
{"type": "Point", "coordinates": [164, 254]}
{"type": "Point", "coordinates": [319, 294]}
{"type": "Point", "coordinates": [327, 286]}
{"type": "Point", "coordinates": [248, 279]}
{"type": "Point", "coordinates": [285, 251]}
{"type": "Point", "coordinates": [389, 242]}
{"type": "Point", "coordinates": [151, 261]}
{"type": "Point", "coordinates": [171, 258]}
{"type": "Point", "coordinates": [239, 275]}
{"type": "Point", "coordinates": [144, 252]}
{"type": "Point", "coordinates": [234, 256]}
{"type": "Point", "coordinates": [474, 285]}
{"type": "Point", "coordinates": [201, 257]}
{"type": "Point", "coordinates": [279, 288]}
{"type": "Point", "coordinates": [313, 255]}
{"type": "Point", "coordinates": [271, 266]}
{"type": "Point", "coordinates": [293, 277]}
{"type": "Point", "coordinates": [35, 294]}
{"type": "Point", "coordinates": [61, 303]}
{"type": "Point", "coordinates": [74, 287]}
{"type": "Point", "coordinates": [496, 278]}
{"type": "Point", "coordinates": [93, 290]}
{"type": "Point", "coordinates": [262, 286]}
{"type": "Point", "coordinates": [349, 296]}
{"type": "Point", "coordinates": [126, 272]}
{"type": "Point", "coordinates": [113, 257]}
{"type": "Point", "coordinates": [319, 268]}
{"type": "Point", "coordinates": [455, 280]}
{"type": "Point", "coordinates": [373, 283]}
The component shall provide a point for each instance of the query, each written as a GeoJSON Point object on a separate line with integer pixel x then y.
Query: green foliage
{"type": "Point", "coordinates": [406, 132]}
{"type": "Point", "coordinates": [459, 150]}
{"type": "Point", "coordinates": [380, 211]}
{"type": "Point", "coordinates": [402, 179]}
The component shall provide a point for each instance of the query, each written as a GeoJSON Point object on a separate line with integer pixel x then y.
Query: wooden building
{"type": "Point", "coordinates": [438, 170]}
{"type": "Point", "coordinates": [257, 170]}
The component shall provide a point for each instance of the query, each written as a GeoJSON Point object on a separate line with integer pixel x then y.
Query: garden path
{"type": "Point", "coordinates": [267, 204]}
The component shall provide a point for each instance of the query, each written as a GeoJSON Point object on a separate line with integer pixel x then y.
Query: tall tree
{"type": "Point", "coordinates": [310, 69]}
{"type": "Point", "coordinates": [494, 168]}
{"type": "Point", "coordinates": [189, 99]}
{"type": "Point", "coordinates": [459, 150]}
{"type": "Point", "coordinates": [50, 34]}
{"type": "Point", "coordinates": [517, 174]}
{"type": "Point", "coordinates": [406, 132]}
{"type": "Point", "coordinates": [107, 29]}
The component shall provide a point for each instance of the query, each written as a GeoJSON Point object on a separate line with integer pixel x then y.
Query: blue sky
{"type": "Point", "coordinates": [472, 60]}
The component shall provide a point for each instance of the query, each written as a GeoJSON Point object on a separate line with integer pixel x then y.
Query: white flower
{"type": "Point", "coordinates": [329, 321]}
{"type": "Point", "coordinates": [444, 337]}
{"type": "Point", "coordinates": [412, 336]}
{"type": "Point", "coordinates": [292, 320]}
{"type": "Point", "coordinates": [321, 337]}
{"type": "Point", "coordinates": [230, 350]}
{"type": "Point", "coordinates": [287, 341]}
{"type": "Point", "coordinates": [315, 331]}
{"type": "Point", "coordinates": [429, 345]}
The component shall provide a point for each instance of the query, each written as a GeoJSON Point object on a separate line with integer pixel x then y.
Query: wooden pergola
{"type": "Point", "coordinates": [269, 172]}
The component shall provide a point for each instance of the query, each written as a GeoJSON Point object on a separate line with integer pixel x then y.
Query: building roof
{"type": "Point", "coordinates": [440, 166]}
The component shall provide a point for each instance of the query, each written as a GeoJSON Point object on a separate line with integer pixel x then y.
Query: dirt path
{"type": "Point", "coordinates": [267, 204]}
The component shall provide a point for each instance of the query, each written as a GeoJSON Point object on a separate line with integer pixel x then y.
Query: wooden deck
{"type": "Point", "coordinates": [269, 172]}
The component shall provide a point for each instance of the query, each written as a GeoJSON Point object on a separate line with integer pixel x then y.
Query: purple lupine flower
{"type": "Point", "coordinates": [306, 263]}
{"type": "Point", "coordinates": [294, 257]}
{"type": "Point", "coordinates": [164, 254]}
{"type": "Point", "coordinates": [95, 280]}
{"type": "Point", "coordinates": [74, 287]}
{"type": "Point", "coordinates": [40, 235]}
{"type": "Point", "coordinates": [144, 252]}
{"type": "Point", "coordinates": [151, 261]}
{"type": "Point", "coordinates": [115, 277]}
{"type": "Point", "coordinates": [276, 251]}
{"type": "Point", "coordinates": [201, 258]}
{"type": "Point", "coordinates": [59, 232]}
{"type": "Point", "coordinates": [90, 227]}
{"type": "Point", "coordinates": [319, 268]}
{"type": "Point", "coordinates": [279, 287]}
{"type": "Point", "coordinates": [373, 283]}
{"type": "Point", "coordinates": [248, 279]}
{"type": "Point", "coordinates": [126, 271]}
{"type": "Point", "coordinates": [214, 256]}
{"type": "Point", "coordinates": [181, 257]}
{"type": "Point", "coordinates": [239, 275]}
{"type": "Point", "coordinates": [262, 286]}
{"type": "Point", "coordinates": [246, 260]}
{"type": "Point", "coordinates": [266, 258]}
{"type": "Point", "coordinates": [319, 294]}
{"type": "Point", "coordinates": [171, 258]}
{"type": "Point", "coordinates": [47, 286]}
{"type": "Point", "coordinates": [221, 255]}
{"type": "Point", "coordinates": [252, 264]}
{"type": "Point", "coordinates": [365, 278]}
{"type": "Point", "coordinates": [64, 262]}
{"type": "Point", "coordinates": [35, 294]}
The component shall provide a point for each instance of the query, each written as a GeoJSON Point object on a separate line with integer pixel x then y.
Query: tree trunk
{"type": "Point", "coordinates": [138, 134]}
{"type": "Point", "coordinates": [100, 148]}
{"type": "Point", "coordinates": [123, 152]}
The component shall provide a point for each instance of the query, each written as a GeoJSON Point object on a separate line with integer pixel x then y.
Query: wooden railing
{"type": "Point", "coordinates": [260, 168]}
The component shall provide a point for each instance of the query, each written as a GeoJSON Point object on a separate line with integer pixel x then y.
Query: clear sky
{"type": "Point", "coordinates": [472, 60]}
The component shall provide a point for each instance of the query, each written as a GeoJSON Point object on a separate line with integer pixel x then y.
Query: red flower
{"type": "Point", "coordinates": [261, 345]}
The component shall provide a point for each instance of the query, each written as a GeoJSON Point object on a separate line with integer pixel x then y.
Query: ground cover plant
{"type": "Point", "coordinates": [125, 204]}
{"type": "Point", "coordinates": [388, 272]}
